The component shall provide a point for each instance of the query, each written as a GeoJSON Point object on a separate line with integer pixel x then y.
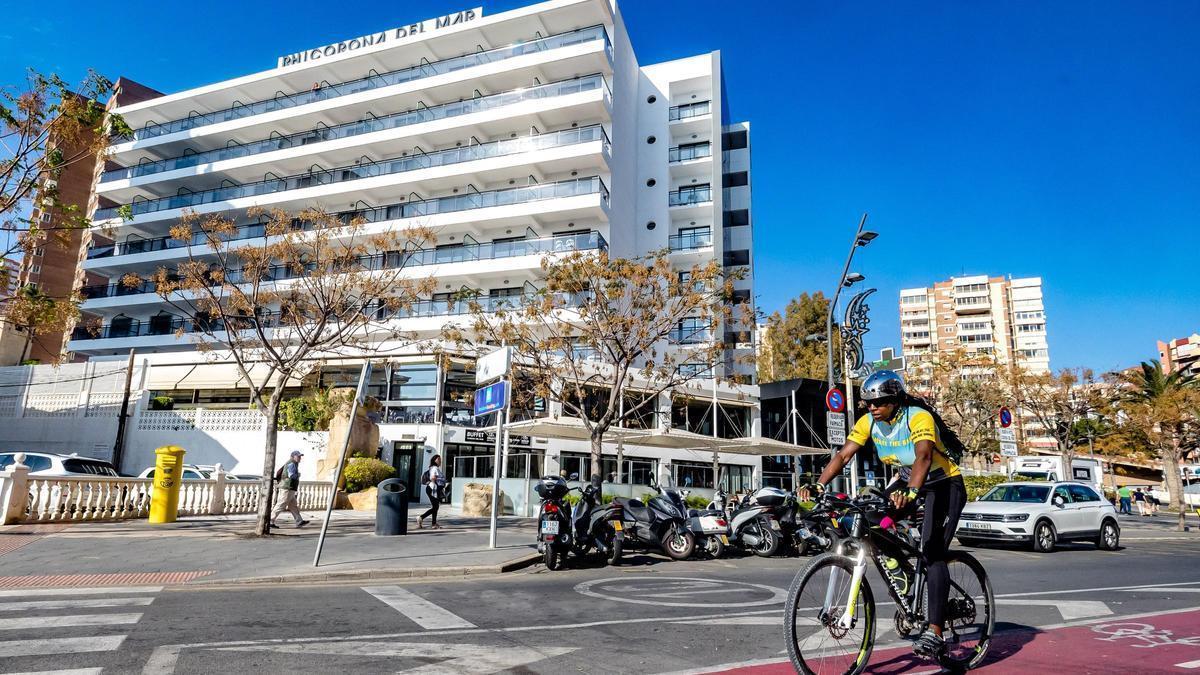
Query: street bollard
{"type": "Point", "coordinates": [168, 474]}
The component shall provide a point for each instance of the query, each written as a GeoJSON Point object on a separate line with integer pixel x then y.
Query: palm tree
{"type": "Point", "coordinates": [1161, 408]}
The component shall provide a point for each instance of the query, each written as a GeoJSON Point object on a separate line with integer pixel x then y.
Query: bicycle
{"type": "Point", "coordinates": [830, 602]}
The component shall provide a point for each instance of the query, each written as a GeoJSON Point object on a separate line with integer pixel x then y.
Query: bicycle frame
{"type": "Point", "coordinates": [867, 540]}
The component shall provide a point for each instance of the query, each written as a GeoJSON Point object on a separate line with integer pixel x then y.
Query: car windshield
{"type": "Point", "coordinates": [1031, 494]}
{"type": "Point", "coordinates": [89, 466]}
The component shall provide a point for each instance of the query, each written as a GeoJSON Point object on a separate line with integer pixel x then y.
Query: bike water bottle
{"type": "Point", "coordinates": [896, 574]}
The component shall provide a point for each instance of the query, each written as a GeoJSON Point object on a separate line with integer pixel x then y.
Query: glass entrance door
{"type": "Point", "coordinates": [404, 458]}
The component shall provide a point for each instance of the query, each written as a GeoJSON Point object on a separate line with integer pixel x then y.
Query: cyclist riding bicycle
{"type": "Point", "coordinates": [907, 436]}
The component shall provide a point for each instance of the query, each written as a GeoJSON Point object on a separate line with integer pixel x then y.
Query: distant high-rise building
{"type": "Point", "coordinates": [1181, 355]}
{"type": "Point", "coordinates": [978, 314]}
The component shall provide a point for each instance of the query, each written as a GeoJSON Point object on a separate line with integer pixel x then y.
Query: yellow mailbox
{"type": "Point", "coordinates": [168, 472]}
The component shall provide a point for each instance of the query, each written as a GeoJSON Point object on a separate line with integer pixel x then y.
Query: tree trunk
{"type": "Point", "coordinates": [597, 451]}
{"type": "Point", "coordinates": [262, 525]}
{"type": "Point", "coordinates": [1174, 482]}
{"type": "Point", "coordinates": [1068, 458]}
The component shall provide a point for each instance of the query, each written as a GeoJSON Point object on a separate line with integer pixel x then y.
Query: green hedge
{"type": "Point", "coordinates": [977, 486]}
{"type": "Point", "coordinates": [362, 473]}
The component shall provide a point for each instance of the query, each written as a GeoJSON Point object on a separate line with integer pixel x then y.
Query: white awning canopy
{"type": "Point", "coordinates": [572, 429]}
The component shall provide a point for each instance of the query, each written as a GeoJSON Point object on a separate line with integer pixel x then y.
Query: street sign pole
{"type": "Point", "coordinates": [850, 422]}
{"type": "Point", "coordinates": [500, 415]}
{"type": "Point", "coordinates": [360, 396]}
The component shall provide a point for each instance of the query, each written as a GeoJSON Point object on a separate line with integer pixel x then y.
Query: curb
{"type": "Point", "coordinates": [375, 575]}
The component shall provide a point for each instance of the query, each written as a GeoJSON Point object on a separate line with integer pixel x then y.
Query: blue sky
{"type": "Point", "coordinates": [1058, 139]}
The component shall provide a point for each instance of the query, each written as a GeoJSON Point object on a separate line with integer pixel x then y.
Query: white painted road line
{"type": "Point", "coordinates": [64, 621]}
{"type": "Point", "coordinates": [1070, 609]}
{"type": "Point", "coordinates": [1161, 589]}
{"type": "Point", "coordinates": [1189, 665]}
{"type": "Point", "coordinates": [103, 590]}
{"type": "Point", "coordinates": [74, 671]}
{"type": "Point", "coordinates": [424, 613]}
{"type": "Point", "coordinates": [54, 646]}
{"type": "Point", "coordinates": [74, 604]}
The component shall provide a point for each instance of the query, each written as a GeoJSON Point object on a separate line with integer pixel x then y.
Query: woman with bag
{"type": "Point", "coordinates": [435, 488]}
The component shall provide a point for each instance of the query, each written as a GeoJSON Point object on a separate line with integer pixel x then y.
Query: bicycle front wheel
{"type": "Point", "coordinates": [970, 613]}
{"type": "Point", "coordinates": [827, 630]}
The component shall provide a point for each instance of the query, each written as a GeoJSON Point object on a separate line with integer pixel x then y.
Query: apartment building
{"type": "Point", "coordinates": [513, 136]}
{"type": "Point", "coordinates": [997, 316]}
{"type": "Point", "coordinates": [1181, 355]}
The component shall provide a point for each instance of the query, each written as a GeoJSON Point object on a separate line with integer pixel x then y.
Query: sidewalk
{"type": "Point", "coordinates": [221, 549]}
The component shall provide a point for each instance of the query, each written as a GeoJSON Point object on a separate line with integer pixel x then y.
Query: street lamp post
{"type": "Point", "coordinates": [861, 238]}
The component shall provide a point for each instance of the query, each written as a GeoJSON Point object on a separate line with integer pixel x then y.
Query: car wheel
{"type": "Point", "coordinates": [1043, 537]}
{"type": "Point", "coordinates": [1109, 538]}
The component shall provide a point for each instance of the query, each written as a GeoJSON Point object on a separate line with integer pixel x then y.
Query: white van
{"type": "Point", "coordinates": [1049, 467]}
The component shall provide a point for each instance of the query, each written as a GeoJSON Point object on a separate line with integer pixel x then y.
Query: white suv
{"type": "Point", "coordinates": [49, 464]}
{"type": "Point", "coordinates": [1042, 514]}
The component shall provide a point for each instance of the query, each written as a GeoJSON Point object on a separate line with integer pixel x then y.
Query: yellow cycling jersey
{"type": "Point", "coordinates": [896, 440]}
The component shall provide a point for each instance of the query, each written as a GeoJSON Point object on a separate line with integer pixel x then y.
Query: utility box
{"type": "Point", "coordinates": [391, 508]}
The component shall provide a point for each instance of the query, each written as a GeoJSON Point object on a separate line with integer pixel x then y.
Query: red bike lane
{"type": "Point", "coordinates": [1166, 642]}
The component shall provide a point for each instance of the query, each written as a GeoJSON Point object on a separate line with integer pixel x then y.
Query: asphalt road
{"type": "Point", "coordinates": [648, 616]}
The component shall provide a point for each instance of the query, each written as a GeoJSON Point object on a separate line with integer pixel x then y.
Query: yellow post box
{"type": "Point", "coordinates": [168, 474]}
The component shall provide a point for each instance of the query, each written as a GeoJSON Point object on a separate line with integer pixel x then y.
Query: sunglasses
{"type": "Point", "coordinates": [880, 402]}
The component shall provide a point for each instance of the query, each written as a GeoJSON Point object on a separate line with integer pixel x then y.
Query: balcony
{"type": "Point", "coordinates": [690, 196]}
{"type": "Point", "coordinates": [375, 81]}
{"type": "Point", "coordinates": [340, 174]}
{"type": "Point", "coordinates": [689, 110]}
{"type": "Point", "coordinates": [972, 305]}
{"type": "Point", "coordinates": [690, 241]}
{"type": "Point", "coordinates": [165, 324]}
{"type": "Point", "coordinates": [445, 255]}
{"type": "Point", "coordinates": [325, 133]}
{"type": "Point", "coordinates": [687, 153]}
{"type": "Point", "coordinates": [684, 335]}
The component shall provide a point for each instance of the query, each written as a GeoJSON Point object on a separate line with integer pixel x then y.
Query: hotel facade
{"type": "Point", "coordinates": [513, 136]}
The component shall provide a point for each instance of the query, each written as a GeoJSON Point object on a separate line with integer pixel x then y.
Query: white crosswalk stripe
{"type": "Point", "coordinates": [421, 611]}
{"type": "Point", "coordinates": [82, 631]}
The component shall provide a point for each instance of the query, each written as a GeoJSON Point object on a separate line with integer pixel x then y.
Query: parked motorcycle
{"type": "Point", "coordinates": [577, 530]}
{"type": "Point", "coordinates": [657, 525]}
{"type": "Point", "coordinates": [750, 523]}
{"type": "Point", "coordinates": [709, 527]}
{"type": "Point", "coordinates": [803, 534]}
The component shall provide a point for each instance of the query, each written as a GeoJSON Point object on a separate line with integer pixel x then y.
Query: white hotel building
{"type": "Point", "coordinates": [513, 135]}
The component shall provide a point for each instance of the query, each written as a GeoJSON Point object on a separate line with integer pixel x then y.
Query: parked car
{"type": "Point", "coordinates": [190, 472]}
{"type": "Point", "coordinates": [49, 464]}
{"type": "Point", "coordinates": [1041, 514]}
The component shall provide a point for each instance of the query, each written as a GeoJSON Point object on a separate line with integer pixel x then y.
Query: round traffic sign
{"type": "Point", "coordinates": [835, 400]}
{"type": "Point", "coordinates": [1005, 417]}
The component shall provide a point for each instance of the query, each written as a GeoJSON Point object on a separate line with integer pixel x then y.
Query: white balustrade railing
{"type": "Point", "coordinates": [38, 499]}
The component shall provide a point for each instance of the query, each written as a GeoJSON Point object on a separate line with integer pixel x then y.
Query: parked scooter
{"type": "Point", "coordinates": [803, 534]}
{"type": "Point", "coordinates": [708, 526]}
{"type": "Point", "coordinates": [578, 530]}
{"type": "Point", "coordinates": [750, 524]}
{"type": "Point", "coordinates": [657, 525]}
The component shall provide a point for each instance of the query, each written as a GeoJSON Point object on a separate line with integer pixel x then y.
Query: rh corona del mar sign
{"type": "Point", "coordinates": [383, 37]}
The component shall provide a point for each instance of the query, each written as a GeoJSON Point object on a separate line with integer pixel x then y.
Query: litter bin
{"type": "Point", "coordinates": [391, 508]}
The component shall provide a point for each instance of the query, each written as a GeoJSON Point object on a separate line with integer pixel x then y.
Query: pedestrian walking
{"type": "Point", "coordinates": [1125, 494]}
{"type": "Point", "coordinates": [1152, 503]}
{"type": "Point", "coordinates": [1139, 498]}
{"type": "Point", "coordinates": [288, 478]}
{"type": "Point", "coordinates": [435, 488]}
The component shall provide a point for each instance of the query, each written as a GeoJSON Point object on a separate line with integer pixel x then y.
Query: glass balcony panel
{"type": "Point", "coordinates": [377, 81]}
{"type": "Point", "coordinates": [688, 110]}
{"type": "Point", "coordinates": [687, 241]}
{"type": "Point", "coordinates": [691, 195]}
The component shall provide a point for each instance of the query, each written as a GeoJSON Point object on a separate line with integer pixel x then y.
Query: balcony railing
{"type": "Point", "coordinates": [690, 241]}
{"type": "Point", "coordinates": [685, 153]}
{"type": "Point", "coordinates": [475, 200]}
{"type": "Point", "coordinates": [584, 241]}
{"type": "Point", "coordinates": [341, 174]}
{"type": "Point", "coordinates": [690, 336]}
{"type": "Point", "coordinates": [165, 324]}
{"type": "Point", "coordinates": [691, 195]}
{"type": "Point", "coordinates": [394, 121]}
{"type": "Point", "coordinates": [688, 110]}
{"type": "Point", "coordinates": [328, 91]}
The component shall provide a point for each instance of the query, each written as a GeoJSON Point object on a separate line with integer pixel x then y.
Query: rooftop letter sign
{"type": "Point", "coordinates": [383, 37]}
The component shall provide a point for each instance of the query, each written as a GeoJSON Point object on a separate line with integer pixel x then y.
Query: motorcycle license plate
{"type": "Point", "coordinates": [617, 525]}
{"type": "Point", "coordinates": [549, 527]}
{"type": "Point", "coordinates": [774, 524]}
{"type": "Point", "coordinates": [724, 540]}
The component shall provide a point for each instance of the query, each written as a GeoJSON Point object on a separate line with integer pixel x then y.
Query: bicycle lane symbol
{"type": "Point", "coordinates": [1161, 641]}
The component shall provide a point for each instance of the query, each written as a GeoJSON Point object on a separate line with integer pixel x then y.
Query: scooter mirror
{"type": "Point", "coordinates": [574, 476]}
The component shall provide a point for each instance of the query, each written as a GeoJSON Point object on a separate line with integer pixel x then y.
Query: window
{"type": "Point", "coordinates": [1061, 491]}
{"type": "Point", "coordinates": [982, 337]}
{"type": "Point", "coordinates": [970, 288]}
{"type": "Point", "coordinates": [1083, 493]}
{"type": "Point", "coordinates": [736, 478]}
{"type": "Point", "coordinates": [974, 325]}
{"type": "Point", "coordinates": [413, 382]}
{"type": "Point", "coordinates": [914, 299]}
{"type": "Point", "coordinates": [35, 269]}
{"type": "Point", "coordinates": [735, 140]}
{"type": "Point", "coordinates": [697, 370]}
{"type": "Point", "coordinates": [1030, 315]}
{"type": "Point", "coordinates": [692, 474]}
{"type": "Point", "coordinates": [736, 179]}
{"type": "Point", "coordinates": [972, 300]}
{"type": "Point", "coordinates": [36, 463]}
{"type": "Point", "coordinates": [39, 251]}
{"type": "Point", "coordinates": [45, 217]}
{"type": "Point", "coordinates": [636, 470]}
{"type": "Point", "coordinates": [739, 257]}
{"type": "Point", "coordinates": [737, 218]}
{"type": "Point", "coordinates": [1031, 328]}
{"type": "Point", "coordinates": [741, 296]}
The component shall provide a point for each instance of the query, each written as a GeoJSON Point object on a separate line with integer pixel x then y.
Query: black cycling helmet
{"type": "Point", "coordinates": [882, 385]}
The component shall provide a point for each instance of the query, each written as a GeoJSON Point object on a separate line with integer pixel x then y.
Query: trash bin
{"type": "Point", "coordinates": [391, 508]}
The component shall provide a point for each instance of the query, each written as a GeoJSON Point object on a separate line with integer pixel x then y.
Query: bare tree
{"type": "Point", "coordinates": [967, 390]}
{"type": "Point", "coordinates": [46, 127]}
{"type": "Point", "coordinates": [320, 287]}
{"type": "Point", "coordinates": [1055, 403]}
{"type": "Point", "coordinates": [606, 337]}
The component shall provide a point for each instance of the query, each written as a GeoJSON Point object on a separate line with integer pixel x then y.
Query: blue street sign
{"type": "Point", "coordinates": [1006, 417]}
{"type": "Point", "coordinates": [491, 398]}
{"type": "Point", "coordinates": [835, 401]}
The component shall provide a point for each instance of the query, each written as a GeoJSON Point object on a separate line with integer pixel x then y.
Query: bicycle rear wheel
{"type": "Point", "coordinates": [817, 601]}
{"type": "Point", "coordinates": [970, 613]}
